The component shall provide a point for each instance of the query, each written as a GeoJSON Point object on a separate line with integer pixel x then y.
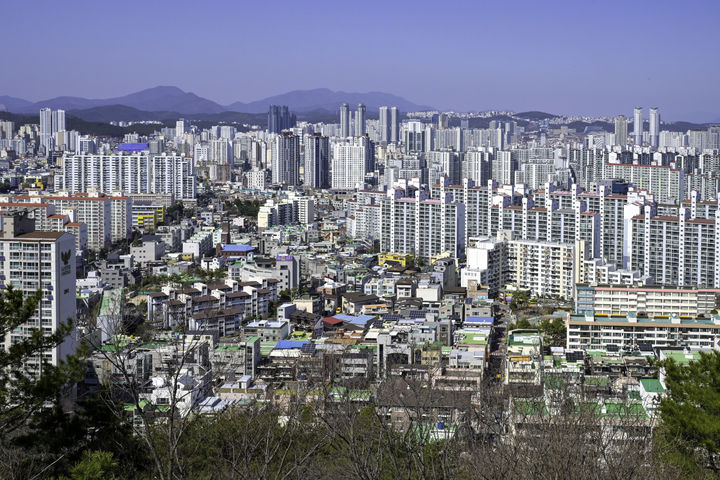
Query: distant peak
{"type": "Point", "coordinates": [164, 89]}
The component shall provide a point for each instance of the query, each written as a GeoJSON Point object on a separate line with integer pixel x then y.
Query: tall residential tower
{"type": "Point", "coordinates": [638, 126]}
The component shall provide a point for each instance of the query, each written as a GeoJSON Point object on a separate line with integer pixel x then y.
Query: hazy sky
{"type": "Point", "coordinates": [575, 56]}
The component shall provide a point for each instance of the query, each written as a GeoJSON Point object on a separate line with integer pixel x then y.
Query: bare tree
{"type": "Point", "coordinates": [157, 387]}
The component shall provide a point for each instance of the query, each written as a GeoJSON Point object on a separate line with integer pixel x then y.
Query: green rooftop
{"type": "Point", "coordinates": [652, 385]}
{"type": "Point", "coordinates": [111, 303]}
{"type": "Point", "coordinates": [473, 339]}
{"type": "Point", "coordinates": [599, 381]}
{"type": "Point", "coordinates": [227, 347]}
{"type": "Point", "coordinates": [530, 407]}
{"type": "Point", "coordinates": [681, 358]}
{"type": "Point", "coordinates": [621, 410]}
{"type": "Point", "coordinates": [524, 338]}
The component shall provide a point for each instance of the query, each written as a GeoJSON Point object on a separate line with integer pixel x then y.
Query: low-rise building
{"type": "Point", "coordinates": [630, 331]}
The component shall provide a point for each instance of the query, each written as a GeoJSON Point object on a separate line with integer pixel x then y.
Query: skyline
{"type": "Point", "coordinates": [462, 57]}
{"type": "Point", "coordinates": [628, 115]}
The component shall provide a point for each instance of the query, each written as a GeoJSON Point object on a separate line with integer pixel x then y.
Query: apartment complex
{"type": "Point", "coordinates": [543, 268]}
{"type": "Point", "coordinates": [674, 250]}
{"type": "Point", "coordinates": [94, 210]}
{"type": "Point", "coordinates": [130, 173]}
{"type": "Point", "coordinates": [422, 226]}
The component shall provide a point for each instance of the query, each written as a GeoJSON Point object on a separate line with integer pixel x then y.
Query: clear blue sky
{"type": "Point", "coordinates": [560, 56]}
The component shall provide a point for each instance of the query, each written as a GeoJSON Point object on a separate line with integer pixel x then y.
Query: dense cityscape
{"type": "Point", "coordinates": [406, 262]}
{"type": "Point", "coordinates": [360, 241]}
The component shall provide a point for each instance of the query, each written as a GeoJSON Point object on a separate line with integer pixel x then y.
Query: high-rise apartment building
{"type": "Point", "coordinates": [350, 162]}
{"type": "Point", "coordinates": [621, 130]}
{"type": "Point", "coordinates": [180, 128]}
{"type": "Point", "coordinates": [220, 151]}
{"type": "Point", "coordinates": [422, 226]}
{"type": "Point", "coordinates": [503, 167]}
{"type": "Point", "coordinates": [360, 121]}
{"type": "Point", "coordinates": [94, 209]}
{"type": "Point", "coordinates": [37, 260]}
{"type": "Point", "coordinates": [476, 166]}
{"type": "Point", "coordinates": [58, 121]}
{"type": "Point", "coordinates": [667, 183]}
{"type": "Point", "coordinates": [280, 118]}
{"type": "Point", "coordinates": [120, 216]}
{"type": "Point", "coordinates": [136, 173]}
{"type": "Point", "coordinates": [674, 250]}
{"type": "Point", "coordinates": [414, 136]}
{"type": "Point", "coordinates": [638, 126]}
{"type": "Point", "coordinates": [654, 127]}
{"type": "Point", "coordinates": [394, 125]}
{"type": "Point", "coordinates": [444, 163]}
{"type": "Point", "coordinates": [317, 161]}
{"type": "Point", "coordinates": [344, 120]}
{"type": "Point", "coordinates": [286, 159]}
{"type": "Point", "coordinates": [384, 125]}
{"type": "Point", "coordinates": [46, 133]}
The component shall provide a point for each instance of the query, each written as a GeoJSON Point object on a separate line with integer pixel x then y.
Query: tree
{"type": "Point", "coordinates": [32, 390]}
{"type": "Point", "coordinates": [554, 330]}
{"type": "Point", "coordinates": [161, 418]}
{"type": "Point", "coordinates": [96, 465]}
{"type": "Point", "coordinates": [23, 392]}
{"type": "Point", "coordinates": [690, 412]}
{"type": "Point", "coordinates": [521, 324]}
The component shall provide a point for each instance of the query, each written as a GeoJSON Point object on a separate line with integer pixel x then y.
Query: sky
{"type": "Point", "coordinates": [566, 57]}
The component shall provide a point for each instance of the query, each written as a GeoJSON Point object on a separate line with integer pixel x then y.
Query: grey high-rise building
{"type": "Point", "coordinates": [360, 121]}
{"type": "Point", "coordinates": [654, 127]}
{"type": "Point", "coordinates": [621, 126]}
{"type": "Point", "coordinates": [317, 161]}
{"type": "Point", "coordinates": [638, 126]}
{"type": "Point", "coordinates": [286, 159]}
{"type": "Point", "coordinates": [394, 125]}
{"type": "Point", "coordinates": [280, 118]}
{"type": "Point", "coordinates": [344, 120]}
{"type": "Point", "coordinates": [46, 138]}
{"type": "Point", "coordinates": [384, 125]}
{"type": "Point", "coordinates": [58, 121]}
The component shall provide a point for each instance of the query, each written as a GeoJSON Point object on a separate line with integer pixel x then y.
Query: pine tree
{"type": "Point", "coordinates": [22, 393]}
{"type": "Point", "coordinates": [690, 412]}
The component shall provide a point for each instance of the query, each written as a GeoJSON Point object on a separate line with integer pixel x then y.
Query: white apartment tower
{"type": "Point", "coordinates": [351, 161]}
{"type": "Point", "coordinates": [384, 125]}
{"type": "Point", "coordinates": [422, 226]}
{"type": "Point", "coordinates": [58, 121]}
{"type": "Point", "coordinates": [180, 128]}
{"type": "Point", "coordinates": [46, 134]}
{"type": "Point", "coordinates": [638, 125]}
{"type": "Point", "coordinates": [654, 127]}
{"type": "Point", "coordinates": [45, 261]}
{"type": "Point", "coordinates": [503, 167]}
{"type": "Point", "coordinates": [344, 120]}
{"type": "Point", "coordinates": [360, 121]}
{"type": "Point", "coordinates": [137, 173]}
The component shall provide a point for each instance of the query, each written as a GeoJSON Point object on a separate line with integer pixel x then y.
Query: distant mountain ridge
{"type": "Point", "coordinates": [326, 99]}
{"type": "Point", "coordinates": [173, 99]}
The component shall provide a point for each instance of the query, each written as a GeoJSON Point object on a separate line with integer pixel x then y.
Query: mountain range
{"type": "Point", "coordinates": [166, 101]}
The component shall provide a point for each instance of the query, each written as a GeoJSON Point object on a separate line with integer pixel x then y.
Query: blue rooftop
{"type": "Point", "coordinates": [289, 344]}
{"type": "Point", "coordinates": [237, 248]}
{"type": "Point", "coordinates": [354, 319]}
{"type": "Point", "coordinates": [133, 147]}
{"type": "Point", "coordinates": [479, 320]}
